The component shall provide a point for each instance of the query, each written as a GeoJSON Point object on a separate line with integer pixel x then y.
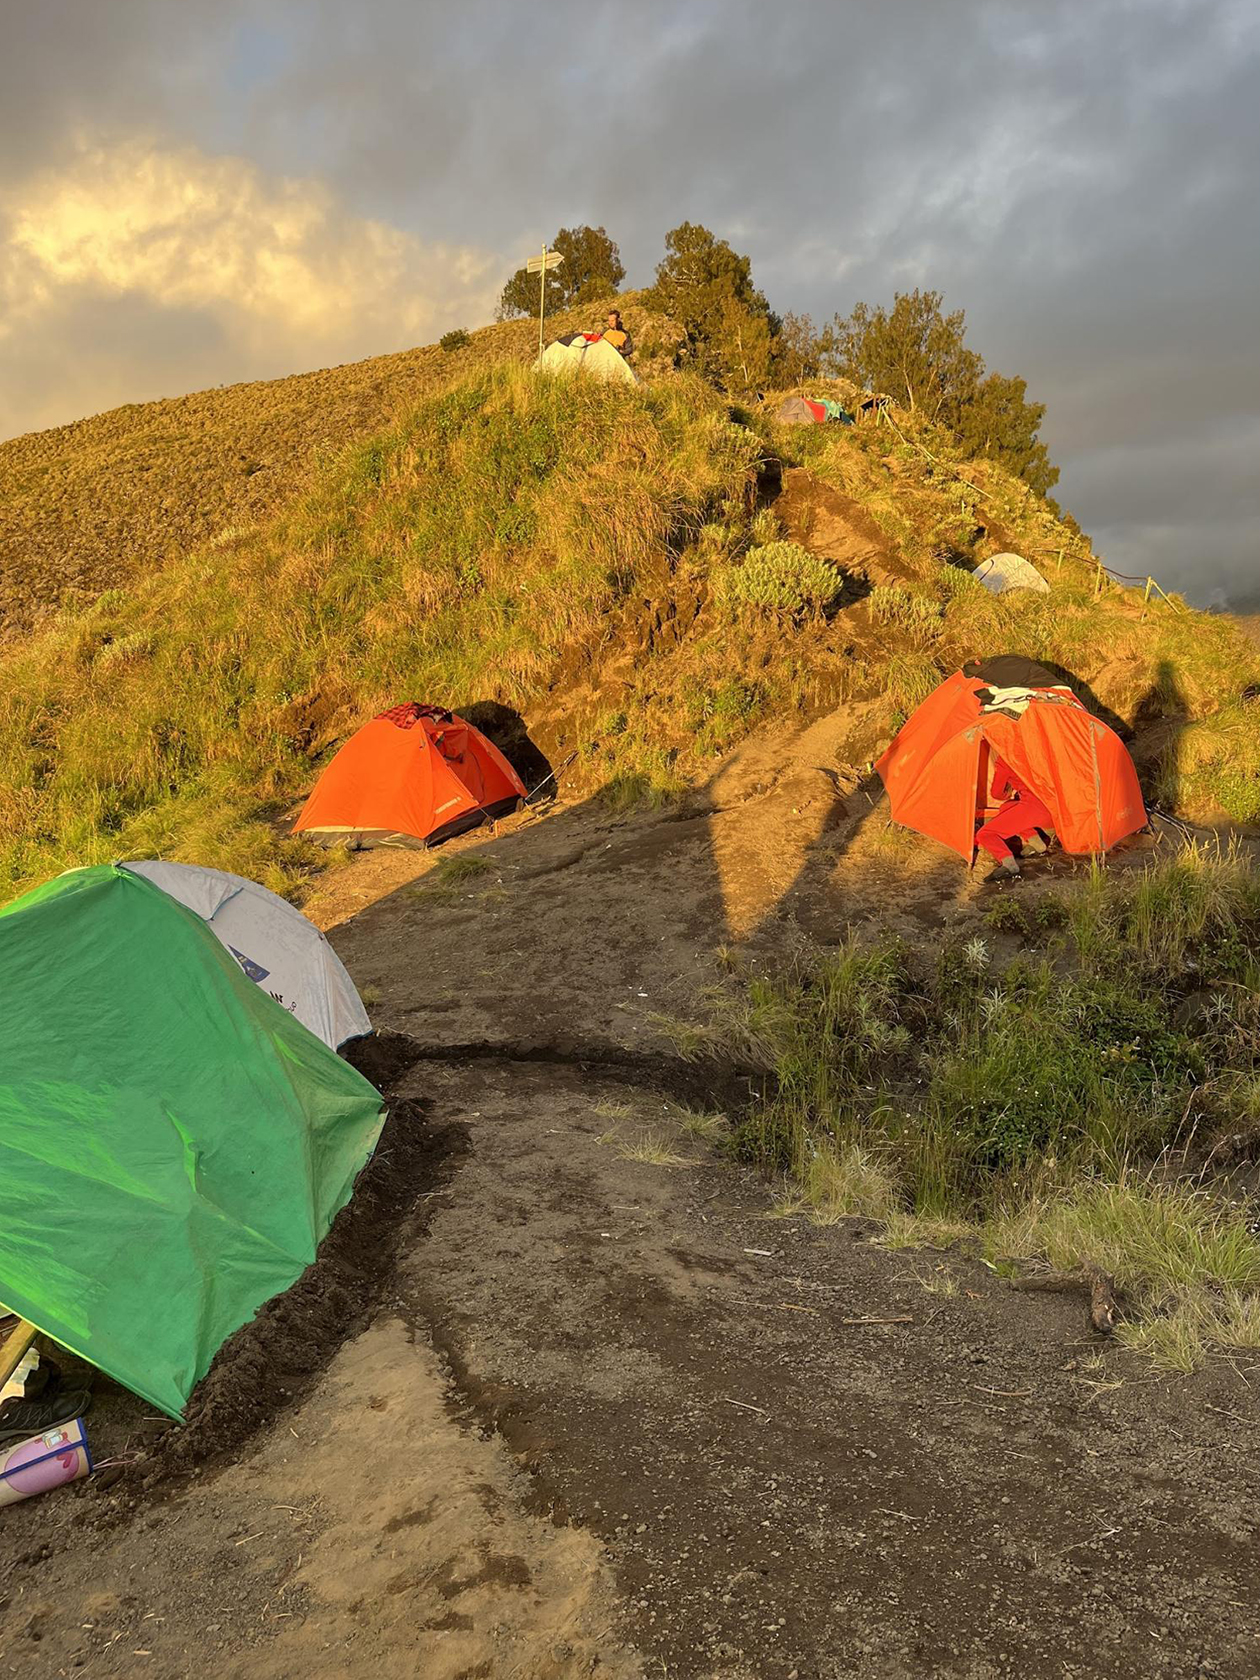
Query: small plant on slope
{"type": "Point", "coordinates": [780, 578]}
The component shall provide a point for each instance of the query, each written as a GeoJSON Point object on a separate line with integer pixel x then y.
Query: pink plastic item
{"type": "Point", "coordinates": [45, 1461]}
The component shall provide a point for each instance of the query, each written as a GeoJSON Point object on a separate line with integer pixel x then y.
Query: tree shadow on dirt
{"type": "Point", "coordinates": [507, 730]}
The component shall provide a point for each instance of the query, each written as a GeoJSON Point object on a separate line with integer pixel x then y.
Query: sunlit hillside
{"type": "Point", "coordinates": [629, 569]}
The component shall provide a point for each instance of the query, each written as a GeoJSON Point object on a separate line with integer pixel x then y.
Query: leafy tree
{"type": "Point", "coordinates": [999, 422]}
{"type": "Point", "coordinates": [797, 351]}
{"type": "Point", "coordinates": [916, 355]}
{"type": "Point", "coordinates": [697, 276]}
{"type": "Point", "coordinates": [592, 269]}
{"type": "Point", "coordinates": [912, 352]}
{"type": "Point", "coordinates": [740, 348]}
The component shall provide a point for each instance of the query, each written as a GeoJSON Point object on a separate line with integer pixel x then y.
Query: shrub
{"type": "Point", "coordinates": [890, 604]}
{"type": "Point", "coordinates": [783, 578]}
{"type": "Point", "coordinates": [457, 339]}
{"type": "Point", "coordinates": [766, 526]}
{"type": "Point", "coordinates": [958, 583]}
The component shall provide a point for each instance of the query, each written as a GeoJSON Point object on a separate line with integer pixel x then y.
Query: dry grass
{"type": "Point", "coordinates": [1196, 671]}
{"type": "Point", "coordinates": [844, 1181]}
{"type": "Point", "coordinates": [510, 539]}
{"type": "Point", "coordinates": [939, 1280]}
{"type": "Point", "coordinates": [1188, 1263]}
{"type": "Point", "coordinates": [178, 717]}
{"type": "Point", "coordinates": [93, 505]}
{"type": "Point", "coordinates": [707, 1127]}
{"type": "Point", "coordinates": [449, 881]}
{"type": "Point", "coordinates": [653, 1149]}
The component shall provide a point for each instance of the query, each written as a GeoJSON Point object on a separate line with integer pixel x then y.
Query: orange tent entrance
{"type": "Point", "coordinates": [414, 776]}
{"type": "Point", "coordinates": [938, 769]}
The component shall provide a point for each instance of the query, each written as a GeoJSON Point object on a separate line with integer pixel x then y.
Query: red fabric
{"type": "Point", "coordinates": [409, 772]}
{"type": "Point", "coordinates": [816, 409]}
{"type": "Point", "coordinates": [1004, 780]}
{"type": "Point", "coordinates": [1056, 750]}
{"type": "Point", "coordinates": [1017, 818]}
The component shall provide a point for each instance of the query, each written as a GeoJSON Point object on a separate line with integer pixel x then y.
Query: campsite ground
{"type": "Point", "coordinates": [562, 1398]}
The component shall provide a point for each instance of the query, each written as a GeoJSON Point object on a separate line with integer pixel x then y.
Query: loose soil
{"type": "Point", "coordinates": [548, 1407]}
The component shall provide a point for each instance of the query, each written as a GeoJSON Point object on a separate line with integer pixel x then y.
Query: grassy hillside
{"type": "Point", "coordinates": [456, 556]}
{"type": "Point", "coordinates": [89, 506]}
{"type": "Point", "coordinates": [596, 558]}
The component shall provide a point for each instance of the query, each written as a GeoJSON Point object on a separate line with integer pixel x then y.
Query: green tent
{"type": "Point", "coordinates": [173, 1144]}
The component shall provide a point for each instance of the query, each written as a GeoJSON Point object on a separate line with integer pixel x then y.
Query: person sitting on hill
{"type": "Point", "coordinates": [616, 335]}
{"type": "Point", "coordinates": [1020, 816]}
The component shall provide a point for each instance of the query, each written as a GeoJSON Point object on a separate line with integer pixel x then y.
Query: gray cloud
{"type": "Point", "coordinates": [1079, 177]}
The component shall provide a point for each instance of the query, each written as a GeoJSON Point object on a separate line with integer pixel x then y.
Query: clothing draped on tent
{"type": "Point", "coordinates": [273, 942]}
{"type": "Point", "coordinates": [415, 775]}
{"type": "Point", "coordinates": [937, 768]}
{"type": "Point", "coordinates": [174, 1145]}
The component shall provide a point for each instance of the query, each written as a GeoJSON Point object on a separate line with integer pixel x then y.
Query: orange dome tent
{"type": "Point", "coordinates": [414, 776]}
{"type": "Point", "coordinates": [938, 768]}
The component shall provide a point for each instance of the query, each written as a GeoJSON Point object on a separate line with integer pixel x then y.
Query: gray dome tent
{"type": "Point", "coordinates": [1010, 571]}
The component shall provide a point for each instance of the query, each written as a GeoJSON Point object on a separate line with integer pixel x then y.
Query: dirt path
{"type": "Point", "coordinates": [596, 1414]}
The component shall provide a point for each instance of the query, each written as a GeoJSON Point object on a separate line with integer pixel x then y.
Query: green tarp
{"type": "Point", "coordinates": [173, 1144]}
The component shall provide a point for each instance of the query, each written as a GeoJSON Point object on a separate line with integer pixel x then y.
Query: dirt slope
{"type": "Point", "coordinates": [605, 1416]}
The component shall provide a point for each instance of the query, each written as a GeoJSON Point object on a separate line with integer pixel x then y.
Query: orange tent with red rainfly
{"type": "Point", "coordinates": [939, 767]}
{"type": "Point", "coordinates": [414, 776]}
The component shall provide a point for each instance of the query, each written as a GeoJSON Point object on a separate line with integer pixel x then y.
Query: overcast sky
{"type": "Point", "coordinates": [199, 191]}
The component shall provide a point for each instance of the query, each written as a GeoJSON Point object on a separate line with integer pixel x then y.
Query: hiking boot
{"type": "Point", "coordinates": [1006, 870]}
{"type": "Point", "coordinates": [20, 1419]}
{"type": "Point", "coordinates": [1033, 846]}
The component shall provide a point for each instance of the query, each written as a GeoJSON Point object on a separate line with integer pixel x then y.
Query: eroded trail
{"type": "Point", "coordinates": [594, 1411]}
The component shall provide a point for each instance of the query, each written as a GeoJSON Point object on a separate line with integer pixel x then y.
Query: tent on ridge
{"type": "Point", "coordinates": [583, 354]}
{"type": "Point", "coordinates": [273, 942]}
{"type": "Point", "coordinates": [1004, 572]}
{"type": "Point", "coordinates": [806, 411]}
{"type": "Point", "coordinates": [799, 411]}
{"type": "Point", "coordinates": [938, 769]}
{"type": "Point", "coordinates": [174, 1145]}
{"type": "Point", "coordinates": [414, 776]}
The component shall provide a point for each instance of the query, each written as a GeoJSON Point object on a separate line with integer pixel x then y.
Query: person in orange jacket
{"type": "Point", "coordinates": [616, 335]}
{"type": "Point", "coordinates": [1020, 816]}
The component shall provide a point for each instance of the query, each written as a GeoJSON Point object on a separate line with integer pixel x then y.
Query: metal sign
{"type": "Point", "coordinates": [541, 265]}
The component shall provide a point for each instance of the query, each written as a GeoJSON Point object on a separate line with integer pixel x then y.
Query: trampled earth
{"type": "Point", "coordinates": [548, 1406]}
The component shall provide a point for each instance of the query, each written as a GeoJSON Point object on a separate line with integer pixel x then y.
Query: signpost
{"type": "Point", "coordinates": [541, 266]}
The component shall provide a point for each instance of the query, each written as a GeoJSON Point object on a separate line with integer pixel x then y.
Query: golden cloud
{"type": "Point", "coordinates": [287, 275]}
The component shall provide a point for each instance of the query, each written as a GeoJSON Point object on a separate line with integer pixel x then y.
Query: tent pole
{"type": "Point", "coordinates": [14, 1349]}
{"type": "Point", "coordinates": [542, 298]}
